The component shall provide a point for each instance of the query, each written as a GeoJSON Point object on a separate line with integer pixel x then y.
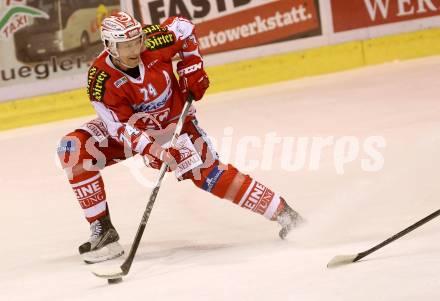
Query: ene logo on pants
{"type": "Point", "coordinates": [258, 199]}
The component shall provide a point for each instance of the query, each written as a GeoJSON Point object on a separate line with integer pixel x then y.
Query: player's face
{"type": "Point", "coordinates": [129, 52]}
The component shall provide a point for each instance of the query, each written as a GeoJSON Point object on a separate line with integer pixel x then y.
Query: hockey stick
{"type": "Point", "coordinates": [346, 259]}
{"type": "Point", "coordinates": [117, 272]}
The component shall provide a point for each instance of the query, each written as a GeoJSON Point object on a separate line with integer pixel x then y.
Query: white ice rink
{"type": "Point", "coordinates": [198, 247]}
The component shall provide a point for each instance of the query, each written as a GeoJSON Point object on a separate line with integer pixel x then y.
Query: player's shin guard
{"type": "Point", "coordinates": [86, 183]}
{"type": "Point", "coordinates": [256, 197]}
{"type": "Point", "coordinates": [89, 190]}
{"type": "Point", "coordinates": [90, 194]}
{"type": "Point", "coordinates": [229, 183]}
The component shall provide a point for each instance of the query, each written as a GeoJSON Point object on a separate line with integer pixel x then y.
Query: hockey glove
{"type": "Point", "coordinates": [172, 157]}
{"type": "Point", "coordinates": [192, 77]}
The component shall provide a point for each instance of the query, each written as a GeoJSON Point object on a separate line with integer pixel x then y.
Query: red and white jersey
{"type": "Point", "coordinates": [117, 96]}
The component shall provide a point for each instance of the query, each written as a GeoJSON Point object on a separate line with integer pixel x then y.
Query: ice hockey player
{"type": "Point", "coordinates": [138, 99]}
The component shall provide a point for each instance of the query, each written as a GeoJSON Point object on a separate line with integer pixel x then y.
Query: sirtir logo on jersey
{"type": "Point", "coordinates": [16, 16]}
{"type": "Point", "coordinates": [159, 41]}
{"type": "Point", "coordinates": [96, 80]}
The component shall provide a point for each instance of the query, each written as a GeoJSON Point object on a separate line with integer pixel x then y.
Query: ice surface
{"type": "Point", "coordinates": [197, 247]}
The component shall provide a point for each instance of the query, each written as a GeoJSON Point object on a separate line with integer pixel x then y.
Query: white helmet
{"type": "Point", "coordinates": [119, 27]}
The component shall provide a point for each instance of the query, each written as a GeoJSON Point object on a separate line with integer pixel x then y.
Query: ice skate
{"type": "Point", "coordinates": [103, 243]}
{"type": "Point", "coordinates": [288, 219]}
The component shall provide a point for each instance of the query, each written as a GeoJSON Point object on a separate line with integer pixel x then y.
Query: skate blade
{"type": "Point", "coordinates": [284, 232]}
{"type": "Point", "coordinates": [107, 252]}
{"type": "Point", "coordinates": [298, 222]}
